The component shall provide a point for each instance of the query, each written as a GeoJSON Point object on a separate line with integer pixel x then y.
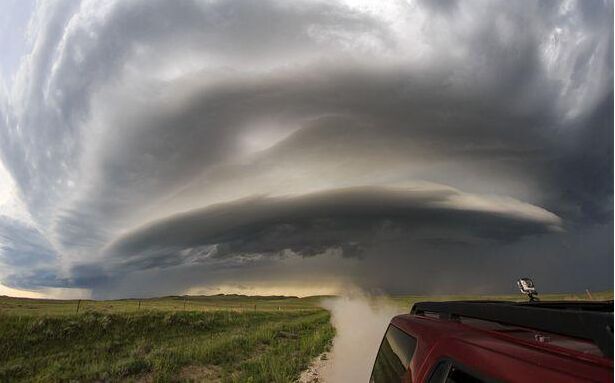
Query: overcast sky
{"type": "Point", "coordinates": [164, 147]}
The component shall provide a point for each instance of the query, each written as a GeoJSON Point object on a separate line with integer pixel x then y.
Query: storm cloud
{"type": "Point", "coordinates": [148, 137]}
{"type": "Point", "coordinates": [347, 218]}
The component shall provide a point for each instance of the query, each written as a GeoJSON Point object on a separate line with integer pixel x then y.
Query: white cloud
{"type": "Point", "coordinates": [11, 204]}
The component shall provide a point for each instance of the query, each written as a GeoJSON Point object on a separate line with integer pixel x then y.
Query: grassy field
{"type": "Point", "coordinates": [226, 339]}
{"type": "Point", "coordinates": [237, 303]}
{"type": "Point", "coordinates": [217, 338]}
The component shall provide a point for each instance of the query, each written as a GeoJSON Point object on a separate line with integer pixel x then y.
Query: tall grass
{"type": "Point", "coordinates": [231, 346]}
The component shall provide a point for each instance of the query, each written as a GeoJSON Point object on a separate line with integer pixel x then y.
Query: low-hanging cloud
{"type": "Point", "coordinates": [344, 223]}
{"type": "Point", "coordinates": [346, 219]}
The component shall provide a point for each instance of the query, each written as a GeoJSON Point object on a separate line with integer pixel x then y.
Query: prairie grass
{"type": "Point", "coordinates": [240, 303]}
{"type": "Point", "coordinates": [158, 346]}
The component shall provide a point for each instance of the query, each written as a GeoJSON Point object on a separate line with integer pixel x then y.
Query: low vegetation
{"type": "Point", "coordinates": [207, 341]}
{"type": "Point", "coordinates": [238, 303]}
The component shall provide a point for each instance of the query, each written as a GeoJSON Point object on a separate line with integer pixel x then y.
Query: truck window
{"type": "Point", "coordinates": [456, 375]}
{"type": "Point", "coordinates": [393, 357]}
{"type": "Point", "coordinates": [438, 375]}
{"type": "Point", "coordinates": [448, 372]}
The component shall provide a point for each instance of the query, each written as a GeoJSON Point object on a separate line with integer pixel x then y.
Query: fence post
{"type": "Point", "coordinates": [139, 305]}
{"type": "Point", "coordinates": [78, 304]}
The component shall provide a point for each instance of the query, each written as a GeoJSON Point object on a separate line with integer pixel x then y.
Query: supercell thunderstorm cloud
{"type": "Point", "coordinates": [162, 147]}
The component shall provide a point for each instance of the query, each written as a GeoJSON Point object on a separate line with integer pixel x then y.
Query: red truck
{"type": "Point", "coordinates": [494, 341]}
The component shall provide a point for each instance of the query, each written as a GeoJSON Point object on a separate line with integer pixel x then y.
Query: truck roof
{"type": "Point", "coordinates": [530, 341]}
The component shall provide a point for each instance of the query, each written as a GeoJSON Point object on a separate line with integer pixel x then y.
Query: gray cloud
{"type": "Point", "coordinates": [126, 114]}
{"type": "Point", "coordinates": [28, 259]}
{"type": "Point", "coordinates": [22, 245]}
{"type": "Point", "coordinates": [345, 221]}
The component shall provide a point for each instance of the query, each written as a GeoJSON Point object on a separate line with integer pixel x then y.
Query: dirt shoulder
{"type": "Point", "coordinates": [316, 372]}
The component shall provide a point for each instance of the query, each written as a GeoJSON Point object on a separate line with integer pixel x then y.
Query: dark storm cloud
{"type": "Point", "coordinates": [580, 173]}
{"type": "Point", "coordinates": [189, 134]}
{"type": "Point", "coordinates": [128, 113]}
{"type": "Point", "coordinates": [204, 132]}
{"type": "Point", "coordinates": [347, 220]}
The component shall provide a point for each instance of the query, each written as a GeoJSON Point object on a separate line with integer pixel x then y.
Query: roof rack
{"type": "Point", "coordinates": [587, 320]}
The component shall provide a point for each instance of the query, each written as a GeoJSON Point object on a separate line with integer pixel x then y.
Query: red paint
{"type": "Point", "coordinates": [502, 353]}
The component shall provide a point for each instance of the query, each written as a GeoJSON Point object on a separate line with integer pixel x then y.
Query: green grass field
{"type": "Point", "coordinates": [222, 338]}
{"type": "Point", "coordinates": [237, 303]}
{"type": "Point", "coordinates": [215, 338]}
